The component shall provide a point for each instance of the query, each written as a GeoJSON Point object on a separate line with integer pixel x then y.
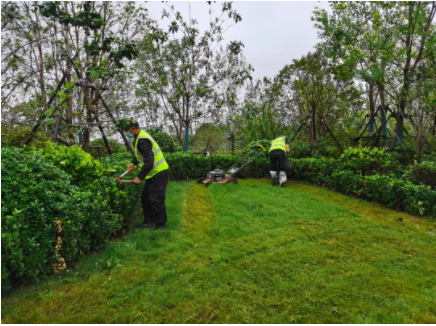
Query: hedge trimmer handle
{"type": "Point", "coordinates": [128, 170]}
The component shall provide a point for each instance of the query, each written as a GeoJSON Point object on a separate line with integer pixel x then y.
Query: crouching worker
{"type": "Point", "coordinates": [277, 152]}
{"type": "Point", "coordinates": [154, 169]}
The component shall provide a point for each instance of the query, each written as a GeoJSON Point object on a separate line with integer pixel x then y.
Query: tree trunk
{"type": "Point", "coordinates": [186, 136]}
{"type": "Point", "coordinates": [187, 126]}
{"type": "Point", "coordinates": [69, 114]}
{"type": "Point", "coordinates": [421, 146]}
{"type": "Point", "coordinates": [383, 115]}
{"type": "Point", "coordinates": [371, 109]}
{"type": "Point", "coordinates": [399, 129]}
{"type": "Point", "coordinates": [126, 141]}
{"type": "Point", "coordinates": [312, 132]}
{"type": "Point", "coordinates": [85, 141]}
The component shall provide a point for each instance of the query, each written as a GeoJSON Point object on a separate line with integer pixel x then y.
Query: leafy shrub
{"type": "Point", "coordinates": [424, 173]}
{"type": "Point", "coordinates": [15, 137]}
{"type": "Point", "coordinates": [299, 149]}
{"type": "Point", "coordinates": [167, 143]}
{"type": "Point", "coordinates": [392, 192]}
{"type": "Point", "coordinates": [115, 146]}
{"type": "Point", "coordinates": [36, 194]}
{"type": "Point", "coordinates": [347, 182]}
{"type": "Point", "coordinates": [327, 147]}
{"type": "Point", "coordinates": [187, 166]}
{"type": "Point", "coordinates": [79, 165]}
{"type": "Point", "coordinates": [86, 172]}
{"type": "Point", "coordinates": [266, 144]}
{"type": "Point", "coordinates": [313, 170]}
{"type": "Point", "coordinates": [368, 161]}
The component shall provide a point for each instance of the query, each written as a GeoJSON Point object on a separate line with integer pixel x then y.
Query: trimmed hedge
{"type": "Point", "coordinates": [50, 214]}
{"type": "Point", "coordinates": [423, 173]}
{"type": "Point", "coordinates": [368, 161]}
{"type": "Point", "coordinates": [313, 170]}
{"type": "Point", "coordinates": [392, 192]}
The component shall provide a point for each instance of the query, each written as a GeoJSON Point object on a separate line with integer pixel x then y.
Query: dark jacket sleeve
{"type": "Point", "coordinates": [144, 147]}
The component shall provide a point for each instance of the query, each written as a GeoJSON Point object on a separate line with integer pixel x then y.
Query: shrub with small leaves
{"type": "Point", "coordinates": [48, 213]}
{"type": "Point", "coordinates": [35, 194]}
{"type": "Point", "coordinates": [423, 173]}
{"type": "Point", "coordinates": [368, 161]}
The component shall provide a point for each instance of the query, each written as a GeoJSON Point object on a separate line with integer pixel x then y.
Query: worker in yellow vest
{"type": "Point", "coordinates": [277, 157]}
{"type": "Point", "coordinates": [155, 170]}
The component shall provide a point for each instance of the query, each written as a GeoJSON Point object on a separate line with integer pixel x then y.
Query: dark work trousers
{"type": "Point", "coordinates": [277, 158]}
{"type": "Point", "coordinates": [153, 199]}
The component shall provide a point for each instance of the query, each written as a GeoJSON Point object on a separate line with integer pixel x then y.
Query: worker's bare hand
{"type": "Point", "coordinates": [137, 180]}
{"type": "Point", "coordinates": [131, 166]}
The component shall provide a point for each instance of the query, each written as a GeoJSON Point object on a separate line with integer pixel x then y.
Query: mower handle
{"type": "Point", "coordinates": [259, 146]}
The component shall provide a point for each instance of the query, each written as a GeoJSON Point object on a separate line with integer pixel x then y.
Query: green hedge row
{"type": "Point", "coordinates": [56, 207]}
{"type": "Point", "coordinates": [392, 192]}
{"type": "Point", "coordinates": [423, 173]}
{"type": "Point", "coordinates": [61, 189]}
{"type": "Point", "coordinates": [361, 172]}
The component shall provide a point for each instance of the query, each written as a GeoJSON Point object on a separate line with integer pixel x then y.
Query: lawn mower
{"type": "Point", "coordinates": [223, 177]}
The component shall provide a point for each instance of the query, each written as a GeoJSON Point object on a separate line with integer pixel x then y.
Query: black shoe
{"type": "Point", "coordinates": [282, 185]}
{"type": "Point", "coordinates": [144, 226]}
{"type": "Point", "coordinates": [159, 227]}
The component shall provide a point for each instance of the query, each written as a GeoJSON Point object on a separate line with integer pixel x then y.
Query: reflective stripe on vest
{"type": "Point", "coordinates": [160, 164]}
{"type": "Point", "coordinates": [278, 143]}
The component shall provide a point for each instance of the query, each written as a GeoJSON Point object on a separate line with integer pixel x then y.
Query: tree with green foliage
{"type": "Point", "coordinates": [312, 88]}
{"type": "Point", "coordinates": [179, 74]}
{"type": "Point", "coordinates": [209, 138]}
{"type": "Point", "coordinates": [115, 147]}
{"type": "Point", "coordinates": [62, 56]}
{"type": "Point", "coordinates": [167, 143]}
{"type": "Point", "coordinates": [352, 36]}
{"type": "Point", "coordinates": [392, 44]}
{"type": "Point", "coordinates": [261, 117]}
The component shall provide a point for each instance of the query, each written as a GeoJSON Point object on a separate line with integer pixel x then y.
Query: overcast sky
{"type": "Point", "coordinates": [273, 32]}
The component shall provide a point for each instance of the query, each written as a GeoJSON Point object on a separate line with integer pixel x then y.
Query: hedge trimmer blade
{"type": "Point", "coordinates": [119, 179]}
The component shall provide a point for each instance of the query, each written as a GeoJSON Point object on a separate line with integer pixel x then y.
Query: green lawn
{"type": "Point", "coordinates": [250, 253]}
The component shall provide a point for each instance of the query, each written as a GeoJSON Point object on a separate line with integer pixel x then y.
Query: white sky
{"type": "Point", "coordinates": [273, 32]}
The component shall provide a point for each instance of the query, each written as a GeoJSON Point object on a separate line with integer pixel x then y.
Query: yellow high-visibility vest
{"type": "Point", "coordinates": [160, 164]}
{"type": "Point", "coordinates": [278, 143]}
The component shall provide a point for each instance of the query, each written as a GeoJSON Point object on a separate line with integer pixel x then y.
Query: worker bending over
{"type": "Point", "coordinates": [277, 158]}
{"type": "Point", "coordinates": [154, 169]}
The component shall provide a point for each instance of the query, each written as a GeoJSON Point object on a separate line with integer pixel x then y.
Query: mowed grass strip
{"type": "Point", "coordinates": [258, 254]}
{"type": "Point", "coordinates": [197, 213]}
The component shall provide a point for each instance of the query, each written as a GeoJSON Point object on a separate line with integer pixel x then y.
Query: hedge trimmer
{"type": "Point", "coordinates": [119, 179]}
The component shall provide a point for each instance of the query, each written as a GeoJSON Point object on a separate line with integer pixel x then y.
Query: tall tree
{"type": "Point", "coordinates": [89, 43]}
{"type": "Point", "coordinates": [182, 72]}
{"type": "Point", "coordinates": [312, 88]}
